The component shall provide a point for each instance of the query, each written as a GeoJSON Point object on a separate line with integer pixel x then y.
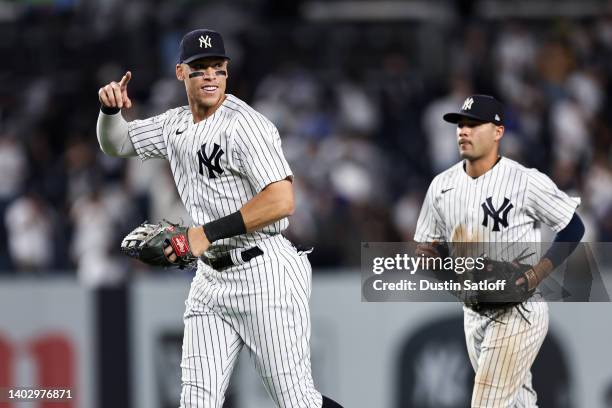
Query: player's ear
{"type": "Point", "coordinates": [180, 72]}
{"type": "Point", "coordinates": [499, 132]}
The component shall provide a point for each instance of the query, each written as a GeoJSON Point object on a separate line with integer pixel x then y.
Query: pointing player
{"type": "Point", "coordinates": [498, 200]}
{"type": "Point", "coordinates": [252, 286]}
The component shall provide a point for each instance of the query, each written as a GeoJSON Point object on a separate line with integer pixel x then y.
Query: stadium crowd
{"type": "Point", "coordinates": [358, 106]}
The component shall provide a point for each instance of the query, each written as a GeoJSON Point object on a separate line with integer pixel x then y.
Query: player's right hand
{"type": "Point", "coordinates": [114, 95]}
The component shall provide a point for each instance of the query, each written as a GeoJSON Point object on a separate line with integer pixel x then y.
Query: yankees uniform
{"type": "Point", "coordinates": [506, 204]}
{"type": "Point", "coordinates": [259, 296]}
{"type": "Point", "coordinates": [218, 165]}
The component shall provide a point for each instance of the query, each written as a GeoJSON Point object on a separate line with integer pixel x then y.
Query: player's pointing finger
{"type": "Point", "coordinates": [125, 79]}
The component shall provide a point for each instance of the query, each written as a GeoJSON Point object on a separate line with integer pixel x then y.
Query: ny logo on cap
{"type": "Point", "coordinates": [205, 41]}
{"type": "Point", "coordinates": [467, 105]}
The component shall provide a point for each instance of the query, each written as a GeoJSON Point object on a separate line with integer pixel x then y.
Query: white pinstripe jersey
{"type": "Point", "coordinates": [507, 204]}
{"type": "Point", "coordinates": [219, 163]}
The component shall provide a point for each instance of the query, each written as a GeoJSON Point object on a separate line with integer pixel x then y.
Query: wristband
{"type": "Point", "coordinates": [531, 275]}
{"type": "Point", "coordinates": [107, 110]}
{"type": "Point", "coordinates": [225, 227]}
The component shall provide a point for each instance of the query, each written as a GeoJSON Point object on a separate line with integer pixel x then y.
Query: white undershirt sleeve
{"type": "Point", "coordinates": [113, 135]}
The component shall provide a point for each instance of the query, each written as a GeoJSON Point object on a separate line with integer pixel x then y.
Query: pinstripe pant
{"type": "Point", "coordinates": [503, 352]}
{"type": "Point", "coordinates": [263, 305]}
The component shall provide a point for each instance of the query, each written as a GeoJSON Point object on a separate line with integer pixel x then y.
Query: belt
{"type": "Point", "coordinates": [225, 261]}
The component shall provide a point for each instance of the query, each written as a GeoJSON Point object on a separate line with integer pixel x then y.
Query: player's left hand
{"type": "Point", "coordinates": [536, 274]}
{"type": "Point", "coordinates": [519, 287]}
{"type": "Point", "coordinates": [161, 244]}
{"type": "Point", "coordinates": [198, 241]}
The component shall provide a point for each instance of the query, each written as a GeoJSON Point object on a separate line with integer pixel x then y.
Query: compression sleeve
{"type": "Point", "coordinates": [113, 135]}
{"type": "Point", "coordinates": [565, 241]}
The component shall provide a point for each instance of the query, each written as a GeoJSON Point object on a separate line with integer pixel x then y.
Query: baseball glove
{"type": "Point", "coordinates": [148, 241]}
{"type": "Point", "coordinates": [507, 271]}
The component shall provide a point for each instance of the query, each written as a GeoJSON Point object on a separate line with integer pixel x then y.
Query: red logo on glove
{"type": "Point", "coordinates": [180, 245]}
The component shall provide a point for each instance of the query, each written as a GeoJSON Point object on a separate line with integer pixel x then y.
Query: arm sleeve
{"type": "Point", "coordinates": [566, 241]}
{"type": "Point", "coordinates": [546, 203]}
{"type": "Point", "coordinates": [258, 151]}
{"type": "Point", "coordinates": [147, 136]}
{"type": "Point", "coordinates": [430, 226]}
{"type": "Point", "coordinates": [112, 131]}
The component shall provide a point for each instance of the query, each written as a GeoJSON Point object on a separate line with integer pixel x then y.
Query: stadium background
{"type": "Point", "coordinates": [357, 90]}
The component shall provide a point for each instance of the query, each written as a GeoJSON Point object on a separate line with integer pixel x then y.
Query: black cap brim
{"type": "Point", "coordinates": [200, 56]}
{"type": "Point", "coordinates": [455, 117]}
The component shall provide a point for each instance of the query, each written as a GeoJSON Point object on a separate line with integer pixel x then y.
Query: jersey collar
{"type": "Point", "coordinates": [499, 158]}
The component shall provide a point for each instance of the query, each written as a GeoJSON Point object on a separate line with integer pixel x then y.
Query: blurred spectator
{"type": "Point", "coordinates": [93, 238]}
{"type": "Point", "coordinates": [304, 225]}
{"type": "Point", "coordinates": [29, 228]}
{"type": "Point", "coordinates": [442, 137]}
{"type": "Point", "coordinates": [81, 169]}
{"type": "Point", "coordinates": [598, 186]}
{"type": "Point", "coordinates": [570, 130]}
{"type": "Point", "coordinates": [406, 214]}
{"type": "Point", "coordinates": [515, 52]}
{"type": "Point", "coordinates": [358, 107]}
{"type": "Point", "coordinates": [357, 111]}
{"type": "Point", "coordinates": [13, 165]}
{"type": "Point", "coordinates": [165, 200]}
{"type": "Point", "coordinates": [151, 183]}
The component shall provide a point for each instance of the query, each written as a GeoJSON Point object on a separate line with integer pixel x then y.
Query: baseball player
{"type": "Point", "coordinates": [494, 199]}
{"type": "Point", "coordinates": [252, 285]}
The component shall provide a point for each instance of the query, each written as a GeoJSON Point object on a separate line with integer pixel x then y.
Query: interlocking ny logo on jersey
{"type": "Point", "coordinates": [211, 162]}
{"type": "Point", "coordinates": [467, 105]}
{"type": "Point", "coordinates": [205, 42]}
{"type": "Point", "coordinates": [490, 211]}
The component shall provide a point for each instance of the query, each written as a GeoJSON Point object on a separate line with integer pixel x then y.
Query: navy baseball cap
{"type": "Point", "coordinates": [201, 43]}
{"type": "Point", "coordinates": [484, 108]}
